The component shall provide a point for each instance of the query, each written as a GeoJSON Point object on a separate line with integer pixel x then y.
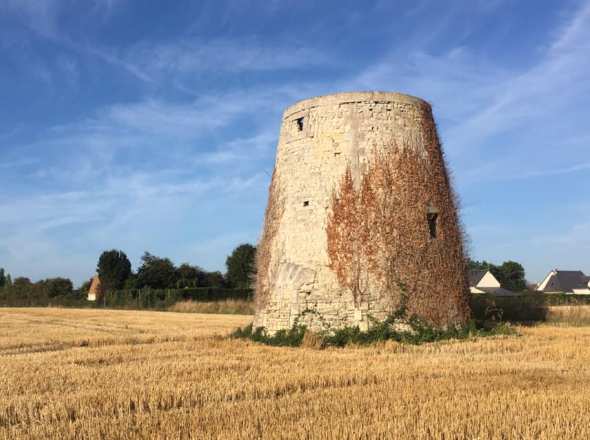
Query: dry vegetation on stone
{"type": "Point", "coordinates": [162, 375]}
{"type": "Point", "coordinates": [378, 237]}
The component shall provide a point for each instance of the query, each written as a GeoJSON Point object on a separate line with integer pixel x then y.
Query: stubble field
{"type": "Point", "coordinates": [125, 374]}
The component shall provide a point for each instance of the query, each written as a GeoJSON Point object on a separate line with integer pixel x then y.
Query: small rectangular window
{"type": "Point", "coordinates": [432, 217]}
{"type": "Point", "coordinates": [299, 122]}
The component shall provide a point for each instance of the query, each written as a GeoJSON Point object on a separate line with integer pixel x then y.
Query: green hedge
{"type": "Point", "coordinates": [164, 298]}
{"type": "Point", "coordinates": [525, 307]}
{"type": "Point", "coordinates": [27, 300]}
{"type": "Point", "coordinates": [126, 299]}
{"type": "Point", "coordinates": [519, 308]}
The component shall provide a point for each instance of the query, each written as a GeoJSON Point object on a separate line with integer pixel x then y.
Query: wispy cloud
{"type": "Point", "coordinates": [18, 163]}
{"type": "Point", "coordinates": [177, 62]}
{"type": "Point", "coordinates": [552, 172]}
{"type": "Point", "coordinates": [128, 167]}
{"type": "Point", "coordinates": [198, 129]}
{"type": "Point", "coordinates": [124, 206]}
{"type": "Point", "coordinates": [240, 149]}
{"type": "Point", "coordinates": [108, 56]}
{"type": "Point", "coordinates": [534, 96]}
{"type": "Point", "coordinates": [478, 102]}
{"type": "Point", "coordinates": [43, 17]}
{"type": "Point", "coordinates": [191, 56]}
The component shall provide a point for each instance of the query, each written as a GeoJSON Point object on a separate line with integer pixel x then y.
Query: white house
{"type": "Point", "coordinates": [482, 281]}
{"type": "Point", "coordinates": [565, 281]}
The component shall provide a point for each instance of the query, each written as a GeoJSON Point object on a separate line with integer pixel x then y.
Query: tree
{"type": "Point", "coordinates": [131, 282]}
{"type": "Point", "coordinates": [189, 276]}
{"type": "Point", "coordinates": [156, 272]}
{"type": "Point", "coordinates": [53, 287]}
{"type": "Point", "coordinates": [240, 266]}
{"type": "Point", "coordinates": [23, 290]}
{"type": "Point", "coordinates": [85, 287]}
{"type": "Point", "coordinates": [214, 279]}
{"type": "Point", "coordinates": [21, 283]}
{"type": "Point", "coordinates": [2, 278]}
{"type": "Point", "coordinates": [513, 276]}
{"type": "Point", "coordinates": [479, 265]}
{"type": "Point", "coordinates": [113, 269]}
{"type": "Point", "coordinates": [510, 274]}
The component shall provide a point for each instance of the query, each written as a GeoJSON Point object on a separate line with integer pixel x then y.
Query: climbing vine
{"type": "Point", "coordinates": [379, 237]}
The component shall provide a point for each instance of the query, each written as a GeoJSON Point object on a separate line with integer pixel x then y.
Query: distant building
{"type": "Point", "coordinates": [565, 281]}
{"type": "Point", "coordinates": [482, 281]}
{"type": "Point", "coordinates": [94, 291]}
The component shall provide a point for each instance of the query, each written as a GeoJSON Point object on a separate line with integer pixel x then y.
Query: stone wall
{"type": "Point", "coordinates": [346, 235]}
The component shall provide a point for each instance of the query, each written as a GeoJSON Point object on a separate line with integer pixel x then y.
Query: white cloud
{"type": "Point", "coordinates": [119, 195]}
{"type": "Point", "coordinates": [502, 124]}
{"type": "Point", "coordinates": [180, 61]}
{"type": "Point", "coordinates": [42, 16]}
{"type": "Point", "coordinates": [155, 134]}
{"type": "Point", "coordinates": [478, 103]}
{"type": "Point", "coordinates": [18, 163]}
{"type": "Point", "coordinates": [190, 56]}
{"type": "Point", "coordinates": [539, 93]}
{"type": "Point", "coordinates": [123, 211]}
{"type": "Point", "coordinates": [127, 203]}
{"type": "Point", "coordinates": [244, 148]}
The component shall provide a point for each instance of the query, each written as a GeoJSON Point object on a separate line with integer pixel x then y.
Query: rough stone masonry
{"type": "Point", "coordinates": [361, 219]}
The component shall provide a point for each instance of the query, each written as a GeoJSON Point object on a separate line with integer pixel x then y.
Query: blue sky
{"type": "Point", "coordinates": [152, 125]}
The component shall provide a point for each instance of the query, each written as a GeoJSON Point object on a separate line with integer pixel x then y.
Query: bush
{"type": "Point", "coordinates": [283, 338]}
{"type": "Point", "coordinates": [163, 299]}
{"type": "Point", "coordinates": [417, 333]}
{"type": "Point", "coordinates": [525, 308]}
{"type": "Point", "coordinates": [224, 307]}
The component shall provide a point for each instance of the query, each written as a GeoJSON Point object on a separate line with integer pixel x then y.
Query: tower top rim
{"type": "Point", "coordinates": [355, 96]}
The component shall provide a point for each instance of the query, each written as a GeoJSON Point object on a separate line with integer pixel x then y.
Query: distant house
{"type": "Point", "coordinates": [94, 291]}
{"type": "Point", "coordinates": [482, 281]}
{"type": "Point", "coordinates": [565, 281]}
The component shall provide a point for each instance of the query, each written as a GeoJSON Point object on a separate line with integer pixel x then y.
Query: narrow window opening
{"type": "Point", "coordinates": [306, 203]}
{"type": "Point", "coordinates": [299, 122]}
{"type": "Point", "coordinates": [432, 217]}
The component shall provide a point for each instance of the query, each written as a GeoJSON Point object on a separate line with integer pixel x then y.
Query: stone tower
{"type": "Point", "coordinates": [361, 218]}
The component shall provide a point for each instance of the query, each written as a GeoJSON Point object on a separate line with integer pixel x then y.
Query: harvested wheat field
{"type": "Point", "coordinates": [125, 374]}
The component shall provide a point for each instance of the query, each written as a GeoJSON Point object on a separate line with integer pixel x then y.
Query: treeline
{"type": "Point", "coordinates": [23, 292]}
{"type": "Point", "coordinates": [114, 271]}
{"type": "Point", "coordinates": [120, 284]}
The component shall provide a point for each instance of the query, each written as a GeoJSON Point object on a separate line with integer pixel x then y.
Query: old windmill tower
{"type": "Point", "coordinates": [361, 217]}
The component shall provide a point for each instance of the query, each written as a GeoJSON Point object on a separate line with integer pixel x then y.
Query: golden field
{"type": "Point", "coordinates": [123, 374]}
